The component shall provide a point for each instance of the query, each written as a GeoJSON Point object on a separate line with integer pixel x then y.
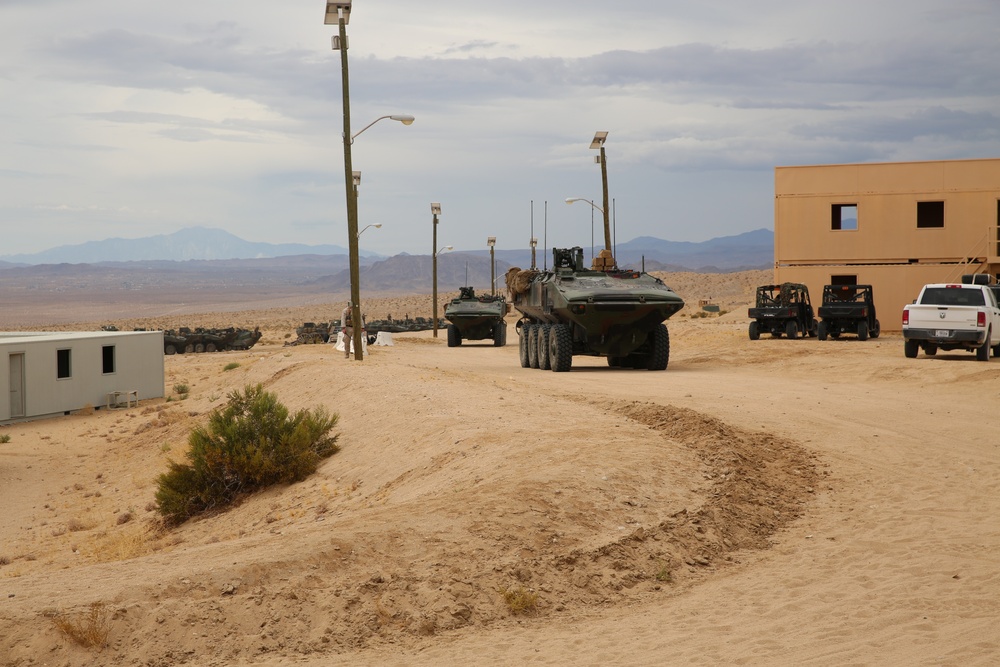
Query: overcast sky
{"type": "Point", "coordinates": [127, 118]}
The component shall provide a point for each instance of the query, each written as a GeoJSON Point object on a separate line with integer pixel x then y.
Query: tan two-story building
{"type": "Point", "coordinates": [896, 226]}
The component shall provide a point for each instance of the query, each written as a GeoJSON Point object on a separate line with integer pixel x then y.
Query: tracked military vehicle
{"type": "Point", "coordinates": [474, 317]}
{"type": "Point", "coordinates": [598, 311]}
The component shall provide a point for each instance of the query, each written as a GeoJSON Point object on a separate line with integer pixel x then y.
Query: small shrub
{"type": "Point", "coordinates": [5, 438]}
{"type": "Point", "coordinates": [519, 600]}
{"type": "Point", "coordinates": [181, 389]}
{"type": "Point", "coordinates": [250, 444]}
{"type": "Point", "coordinates": [90, 629]}
{"type": "Point", "coordinates": [664, 574]}
{"type": "Point", "coordinates": [231, 366]}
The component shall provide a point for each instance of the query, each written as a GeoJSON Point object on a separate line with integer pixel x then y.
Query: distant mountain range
{"type": "Point", "coordinates": [750, 250]}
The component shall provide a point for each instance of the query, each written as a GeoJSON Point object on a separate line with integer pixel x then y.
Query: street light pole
{"type": "Point", "coordinates": [435, 212]}
{"type": "Point", "coordinates": [598, 143]}
{"type": "Point", "coordinates": [342, 11]}
{"type": "Point", "coordinates": [491, 241]}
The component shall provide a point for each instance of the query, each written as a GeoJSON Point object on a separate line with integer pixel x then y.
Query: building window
{"type": "Point", "coordinates": [930, 214]}
{"type": "Point", "coordinates": [63, 367]}
{"type": "Point", "coordinates": [108, 359]}
{"type": "Point", "coordinates": [844, 217]}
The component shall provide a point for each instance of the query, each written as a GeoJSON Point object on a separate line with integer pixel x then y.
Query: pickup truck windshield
{"type": "Point", "coordinates": [951, 296]}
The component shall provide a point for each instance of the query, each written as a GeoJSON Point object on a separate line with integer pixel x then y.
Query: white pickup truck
{"type": "Point", "coordinates": [949, 316]}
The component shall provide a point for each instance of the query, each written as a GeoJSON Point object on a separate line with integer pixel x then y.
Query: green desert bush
{"type": "Point", "coordinates": [249, 444]}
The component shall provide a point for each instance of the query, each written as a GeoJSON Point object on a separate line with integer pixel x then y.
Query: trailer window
{"type": "Point", "coordinates": [63, 366]}
{"type": "Point", "coordinates": [930, 214]}
{"type": "Point", "coordinates": [844, 217]}
{"type": "Point", "coordinates": [108, 359]}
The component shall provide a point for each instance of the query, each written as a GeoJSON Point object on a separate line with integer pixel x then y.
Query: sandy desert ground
{"type": "Point", "coordinates": [759, 503]}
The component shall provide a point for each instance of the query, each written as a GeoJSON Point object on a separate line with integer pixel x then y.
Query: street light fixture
{"type": "Point", "coordinates": [491, 241]}
{"type": "Point", "coordinates": [593, 206]}
{"type": "Point", "coordinates": [435, 212]}
{"type": "Point", "coordinates": [405, 119]}
{"type": "Point", "coordinates": [338, 12]}
{"type": "Point", "coordinates": [598, 143]}
{"type": "Point", "coordinates": [377, 225]}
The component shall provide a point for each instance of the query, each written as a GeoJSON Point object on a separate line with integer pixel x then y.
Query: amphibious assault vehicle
{"type": "Point", "coordinates": [597, 311]}
{"type": "Point", "coordinates": [474, 317]}
{"type": "Point", "coordinates": [186, 340]}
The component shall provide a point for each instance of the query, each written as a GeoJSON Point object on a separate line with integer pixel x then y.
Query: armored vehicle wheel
{"type": "Point", "coordinates": [821, 330]}
{"type": "Point", "coordinates": [454, 337]}
{"type": "Point", "coordinates": [523, 347]}
{"type": "Point", "coordinates": [792, 330]}
{"type": "Point", "coordinates": [862, 330]}
{"type": "Point", "coordinates": [533, 345]}
{"type": "Point", "coordinates": [189, 348]}
{"type": "Point", "coordinates": [560, 348]}
{"type": "Point", "coordinates": [983, 351]}
{"type": "Point", "coordinates": [930, 349]}
{"type": "Point", "coordinates": [499, 334]}
{"type": "Point", "coordinates": [660, 357]}
{"type": "Point", "coordinates": [544, 363]}
{"type": "Point", "coordinates": [754, 331]}
{"type": "Point", "coordinates": [910, 348]}
{"type": "Point", "coordinates": [170, 349]}
{"type": "Point", "coordinates": [210, 347]}
{"type": "Point", "coordinates": [199, 348]}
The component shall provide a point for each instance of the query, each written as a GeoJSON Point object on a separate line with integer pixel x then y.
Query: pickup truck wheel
{"type": "Point", "coordinates": [822, 330]}
{"type": "Point", "coordinates": [930, 349]}
{"type": "Point", "coordinates": [910, 348]}
{"type": "Point", "coordinates": [983, 351]}
{"type": "Point", "coordinates": [862, 330]}
{"type": "Point", "coordinates": [754, 331]}
{"type": "Point", "coordinates": [792, 330]}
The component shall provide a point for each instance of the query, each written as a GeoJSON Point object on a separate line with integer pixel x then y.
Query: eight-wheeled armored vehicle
{"type": "Point", "coordinates": [783, 309]}
{"type": "Point", "coordinates": [598, 311]}
{"type": "Point", "coordinates": [474, 317]}
{"type": "Point", "coordinates": [848, 309]}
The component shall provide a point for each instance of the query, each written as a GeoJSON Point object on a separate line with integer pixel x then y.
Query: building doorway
{"type": "Point", "coordinates": [16, 385]}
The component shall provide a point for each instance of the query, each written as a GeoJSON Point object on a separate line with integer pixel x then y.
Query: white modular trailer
{"type": "Point", "coordinates": [58, 372]}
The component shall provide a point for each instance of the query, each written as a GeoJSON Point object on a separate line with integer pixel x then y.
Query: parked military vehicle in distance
{"type": "Point", "coordinates": [848, 309]}
{"type": "Point", "coordinates": [782, 309]}
{"type": "Point", "coordinates": [474, 317]}
{"type": "Point", "coordinates": [186, 340]}
{"type": "Point", "coordinates": [601, 311]}
{"type": "Point", "coordinates": [311, 333]}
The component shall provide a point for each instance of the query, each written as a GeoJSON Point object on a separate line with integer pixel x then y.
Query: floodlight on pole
{"type": "Point", "coordinates": [435, 212]}
{"type": "Point", "coordinates": [598, 144]}
{"type": "Point", "coordinates": [405, 119]}
{"type": "Point", "coordinates": [491, 241]}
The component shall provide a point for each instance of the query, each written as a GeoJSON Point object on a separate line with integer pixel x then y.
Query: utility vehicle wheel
{"type": "Point", "coordinates": [544, 363]}
{"type": "Point", "coordinates": [983, 351]}
{"type": "Point", "coordinates": [454, 337]}
{"type": "Point", "coordinates": [910, 348]}
{"type": "Point", "coordinates": [862, 330]}
{"type": "Point", "coordinates": [533, 345]}
{"type": "Point", "coordinates": [660, 357]}
{"type": "Point", "coordinates": [821, 330]}
{"type": "Point", "coordinates": [170, 349]}
{"type": "Point", "coordinates": [615, 362]}
{"type": "Point", "coordinates": [523, 347]}
{"type": "Point", "coordinates": [792, 330]}
{"type": "Point", "coordinates": [876, 330]}
{"type": "Point", "coordinates": [560, 348]}
{"type": "Point", "coordinates": [754, 331]}
{"type": "Point", "coordinates": [814, 328]}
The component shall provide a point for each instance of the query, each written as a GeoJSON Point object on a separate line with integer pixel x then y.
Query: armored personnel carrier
{"type": "Point", "coordinates": [598, 311]}
{"type": "Point", "coordinates": [474, 317]}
